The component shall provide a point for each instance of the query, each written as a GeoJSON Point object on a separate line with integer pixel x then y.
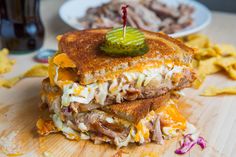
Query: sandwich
{"type": "Point", "coordinates": [118, 100]}
{"type": "Point", "coordinates": [140, 121]}
{"type": "Point", "coordinates": [92, 79]}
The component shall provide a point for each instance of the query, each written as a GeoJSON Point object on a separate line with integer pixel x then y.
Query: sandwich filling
{"type": "Point", "coordinates": [151, 81]}
{"type": "Point", "coordinates": [99, 126]}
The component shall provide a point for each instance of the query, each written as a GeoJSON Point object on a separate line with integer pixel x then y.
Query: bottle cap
{"type": "Point", "coordinates": [43, 54]}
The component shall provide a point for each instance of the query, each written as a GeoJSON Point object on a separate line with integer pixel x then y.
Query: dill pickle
{"type": "Point", "coordinates": [132, 45]}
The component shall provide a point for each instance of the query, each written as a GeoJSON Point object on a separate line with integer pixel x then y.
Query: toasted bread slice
{"type": "Point", "coordinates": [134, 111]}
{"type": "Point", "coordinates": [83, 48]}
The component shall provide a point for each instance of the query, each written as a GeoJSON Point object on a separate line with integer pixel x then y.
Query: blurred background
{"type": "Point", "coordinates": [221, 5]}
{"type": "Point", "coordinates": [48, 24]}
{"type": "Point", "coordinates": [221, 9]}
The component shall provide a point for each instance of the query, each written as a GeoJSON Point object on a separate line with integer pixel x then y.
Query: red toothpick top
{"type": "Point", "coordinates": [124, 17]}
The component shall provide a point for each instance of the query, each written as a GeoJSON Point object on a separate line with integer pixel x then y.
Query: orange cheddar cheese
{"type": "Point", "coordinates": [63, 61]}
{"type": "Point", "coordinates": [171, 117]}
{"type": "Point", "coordinates": [51, 71]}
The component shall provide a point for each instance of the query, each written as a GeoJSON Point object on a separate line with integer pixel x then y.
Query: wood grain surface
{"type": "Point", "coordinates": [215, 117]}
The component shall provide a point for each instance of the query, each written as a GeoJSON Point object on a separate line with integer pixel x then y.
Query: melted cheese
{"type": "Point", "coordinates": [78, 90]}
{"type": "Point", "coordinates": [51, 96]}
{"type": "Point", "coordinates": [63, 61]}
{"type": "Point", "coordinates": [51, 71]}
{"type": "Point", "coordinates": [171, 117]}
{"type": "Point", "coordinates": [60, 70]}
{"type": "Point", "coordinates": [59, 37]}
{"type": "Point", "coordinates": [143, 132]}
{"type": "Point", "coordinates": [66, 74]}
{"type": "Point", "coordinates": [171, 120]}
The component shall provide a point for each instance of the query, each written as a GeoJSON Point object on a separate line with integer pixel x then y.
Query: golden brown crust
{"type": "Point", "coordinates": [83, 48]}
{"type": "Point", "coordinates": [134, 111]}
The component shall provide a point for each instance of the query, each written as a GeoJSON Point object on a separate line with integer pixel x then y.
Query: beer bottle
{"type": "Point", "coordinates": [21, 29]}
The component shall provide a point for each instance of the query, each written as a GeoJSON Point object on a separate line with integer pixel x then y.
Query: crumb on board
{"type": "Point", "coordinates": [8, 145]}
{"type": "Point", "coordinates": [149, 154]}
{"type": "Point", "coordinates": [47, 154]}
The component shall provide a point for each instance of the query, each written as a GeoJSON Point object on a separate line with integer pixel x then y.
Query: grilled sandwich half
{"type": "Point", "coordinates": [139, 121]}
{"type": "Point", "coordinates": [90, 79]}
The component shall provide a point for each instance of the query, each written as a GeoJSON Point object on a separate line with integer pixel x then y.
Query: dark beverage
{"type": "Point", "coordinates": [21, 29]}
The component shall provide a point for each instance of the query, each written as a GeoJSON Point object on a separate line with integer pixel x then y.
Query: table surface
{"type": "Point", "coordinates": [216, 118]}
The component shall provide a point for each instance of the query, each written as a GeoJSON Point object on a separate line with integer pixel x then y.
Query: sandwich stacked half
{"type": "Point", "coordinates": [119, 100]}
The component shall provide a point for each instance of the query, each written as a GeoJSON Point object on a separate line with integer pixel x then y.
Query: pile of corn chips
{"type": "Point", "coordinates": [38, 70]}
{"type": "Point", "coordinates": [6, 65]}
{"type": "Point", "coordinates": [212, 91]}
{"type": "Point", "coordinates": [212, 58]}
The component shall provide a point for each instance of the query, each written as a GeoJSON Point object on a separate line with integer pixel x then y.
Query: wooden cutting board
{"type": "Point", "coordinates": [215, 117]}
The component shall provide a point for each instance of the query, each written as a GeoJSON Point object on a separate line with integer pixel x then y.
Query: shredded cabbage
{"type": "Point", "coordinates": [75, 92]}
{"type": "Point", "coordinates": [189, 142]}
{"type": "Point", "coordinates": [67, 131]}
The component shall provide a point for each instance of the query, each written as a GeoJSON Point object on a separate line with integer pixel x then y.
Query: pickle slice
{"type": "Point", "coordinates": [132, 45]}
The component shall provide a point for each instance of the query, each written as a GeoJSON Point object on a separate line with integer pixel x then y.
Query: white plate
{"type": "Point", "coordinates": [72, 10]}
